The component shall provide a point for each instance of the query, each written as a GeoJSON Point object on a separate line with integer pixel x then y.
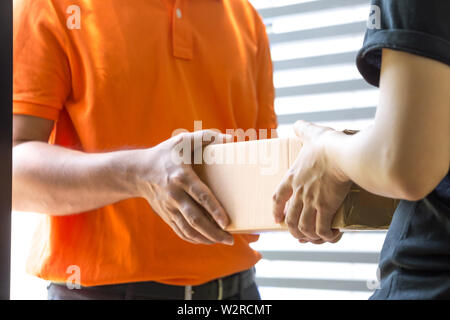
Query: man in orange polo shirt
{"type": "Point", "coordinates": [99, 88]}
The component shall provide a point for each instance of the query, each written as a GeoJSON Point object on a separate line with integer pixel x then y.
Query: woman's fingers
{"type": "Point", "coordinates": [324, 219]}
{"type": "Point", "coordinates": [337, 238]}
{"type": "Point", "coordinates": [307, 131]}
{"type": "Point", "coordinates": [280, 198]}
{"type": "Point", "coordinates": [307, 224]}
{"type": "Point", "coordinates": [300, 128]}
{"type": "Point", "coordinates": [293, 215]}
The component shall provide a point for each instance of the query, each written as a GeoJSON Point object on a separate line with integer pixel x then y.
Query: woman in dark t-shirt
{"type": "Point", "coordinates": [404, 155]}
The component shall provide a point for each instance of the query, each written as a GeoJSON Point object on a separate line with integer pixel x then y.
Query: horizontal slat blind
{"type": "Point", "coordinates": [304, 7]}
{"type": "Point", "coordinates": [314, 46]}
{"type": "Point", "coordinates": [332, 115]}
{"type": "Point", "coordinates": [324, 32]}
{"type": "Point", "coordinates": [320, 88]}
{"type": "Point", "coordinates": [325, 256]}
{"type": "Point", "coordinates": [315, 61]}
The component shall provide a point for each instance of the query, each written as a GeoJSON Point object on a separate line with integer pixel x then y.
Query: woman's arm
{"type": "Point", "coordinates": [404, 155]}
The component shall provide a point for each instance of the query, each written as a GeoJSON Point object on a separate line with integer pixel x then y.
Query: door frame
{"type": "Point", "coordinates": [5, 146]}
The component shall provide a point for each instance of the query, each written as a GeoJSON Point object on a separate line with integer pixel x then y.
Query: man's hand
{"type": "Point", "coordinates": [177, 194]}
{"type": "Point", "coordinates": [312, 190]}
{"type": "Point", "coordinates": [60, 181]}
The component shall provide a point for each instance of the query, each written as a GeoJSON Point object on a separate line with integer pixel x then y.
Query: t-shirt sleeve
{"type": "Point", "coordinates": [415, 26]}
{"type": "Point", "coordinates": [41, 73]}
{"type": "Point", "coordinates": [267, 118]}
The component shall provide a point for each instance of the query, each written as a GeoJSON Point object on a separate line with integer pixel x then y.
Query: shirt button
{"type": "Point", "coordinates": [178, 13]}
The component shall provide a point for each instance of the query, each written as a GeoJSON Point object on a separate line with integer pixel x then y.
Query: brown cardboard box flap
{"type": "Point", "coordinates": [362, 210]}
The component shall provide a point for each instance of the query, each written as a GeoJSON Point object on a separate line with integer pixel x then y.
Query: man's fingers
{"type": "Point", "coordinates": [281, 196]}
{"type": "Point", "coordinates": [293, 215]}
{"type": "Point", "coordinates": [215, 137]}
{"type": "Point", "coordinates": [203, 138]}
{"type": "Point", "coordinates": [182, 228]}
{"type": "Point", "coordinates": [205, 198]}
{"type": "Point", "coordinates": [181, 235]}
{"type": "Point", "coordinates": [307, 223]}
{"type": "Point", "coordinates": [197, 219]}
{"type": "Point", "coordinates": [187, 147]}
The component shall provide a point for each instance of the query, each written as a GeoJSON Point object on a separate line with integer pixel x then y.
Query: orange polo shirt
{"type": "Point", "coordinates": [117, 74]}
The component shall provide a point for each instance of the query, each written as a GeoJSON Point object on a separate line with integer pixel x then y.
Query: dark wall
{"type": "Point", "coordinates": [5, 144]}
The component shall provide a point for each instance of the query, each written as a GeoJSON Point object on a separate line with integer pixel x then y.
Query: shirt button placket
{"type": "Point", "coordinates": [178, 13]}
{"type": "Point", "coordinates": [181, 33]}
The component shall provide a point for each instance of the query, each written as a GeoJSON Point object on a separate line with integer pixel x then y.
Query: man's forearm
{"type": "Point", "coordinates": [59, 181]}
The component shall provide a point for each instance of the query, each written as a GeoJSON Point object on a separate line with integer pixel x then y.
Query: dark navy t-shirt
{"type": "Point", "coordinates": [415, 259]}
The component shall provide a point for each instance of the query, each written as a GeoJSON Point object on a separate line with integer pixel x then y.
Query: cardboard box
{"type": "Point", "coordinates": [244, 177]}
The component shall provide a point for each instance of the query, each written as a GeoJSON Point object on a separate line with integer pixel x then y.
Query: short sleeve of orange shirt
{"type": "Point", "coordinates": [127, 74]}
{"type": "Point", "coordinates": [41, 68]}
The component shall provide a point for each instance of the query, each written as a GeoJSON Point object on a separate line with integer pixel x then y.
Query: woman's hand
{"type": "Point", "coordinates": [312, 190]}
